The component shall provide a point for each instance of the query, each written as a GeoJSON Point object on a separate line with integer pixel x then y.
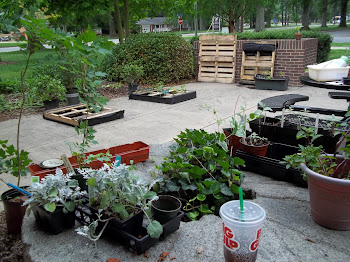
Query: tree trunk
{"type": "Point", "coordinates": [231, 23]}
{"type": "Point", "coordinates": [324, 13]}
{"type": "Point", "coordinates": [126, 19]}
{"type": "Point", "coordinates": [242, 23]}
{"type": "Point", "coordinates": [195, 20]}
{"type": "Point", "coordinates": [306, 14]}
{"type": "Point", "coordinates": [343, 6]}
{"type": "Point", "coordinates": [118, 20]}
{"type": "Point", "coordinates": [112, 31]}
{"type": "Point", "coordinates": [259, 26]}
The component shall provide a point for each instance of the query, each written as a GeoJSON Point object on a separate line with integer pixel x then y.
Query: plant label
{"type": "Point", "coordinates": [35, 179]}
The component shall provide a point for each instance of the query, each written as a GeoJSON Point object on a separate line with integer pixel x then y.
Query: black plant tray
{"type": "Point", "coordinates": [270, 165]}
{"type": "Point", "coordinates": [138, 242]}
{"type": "Point", "coordinates": [168, 99]}
{"type": "Point", "coordinates": [287, 135]}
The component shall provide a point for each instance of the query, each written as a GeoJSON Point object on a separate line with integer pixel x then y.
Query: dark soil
{"type": "Point", "coordinates": [11, 246]}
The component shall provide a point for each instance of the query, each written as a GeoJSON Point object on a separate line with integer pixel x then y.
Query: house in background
{"type": "Point", "coordinates": [155, 24]}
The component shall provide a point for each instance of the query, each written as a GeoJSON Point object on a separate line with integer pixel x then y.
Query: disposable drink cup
{"type": "Point", "coordinates": [242, 230]}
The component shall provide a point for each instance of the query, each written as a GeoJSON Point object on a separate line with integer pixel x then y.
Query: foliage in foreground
{"type": "Point", "coordinates": [200, 172]}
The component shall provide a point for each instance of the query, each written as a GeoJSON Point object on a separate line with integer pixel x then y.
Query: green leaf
{"type": "Point", "coordinates": [171, 186]}
{"type": "Point", "coordinates": [205, 209]}
{"type": "Point", "coordinates": [91, 181]}
{"type": "Point", "coordinates": [201, 197]}
{"type": "Point", "coordinates": [193, 215]}
{"type": "Point", "coordinates": [53, 192]}
{"type": "Point", "coordinates": [154, 229]}
{"type": "Point", "coordinates": [70, 206]}
{"type": "Point", "coordinates": [225, 190]}
{"type": "Point", "coordinates": [118, 208]}
{"type": "Point", "coordinates": [51, 207]}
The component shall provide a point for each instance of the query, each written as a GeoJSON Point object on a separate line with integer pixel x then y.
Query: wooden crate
{"type": "Point", "coordinates": [252, 65]}
{"type": "Point", "coordinates": [217, 58]}
{"type": "Point", "coordinates": [73, 115]}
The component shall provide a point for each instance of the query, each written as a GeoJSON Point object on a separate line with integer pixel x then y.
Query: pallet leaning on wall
{"type": "Point", "coordinates": [217, 58]}
{"type": "Point", "coordinates": [260, 63]}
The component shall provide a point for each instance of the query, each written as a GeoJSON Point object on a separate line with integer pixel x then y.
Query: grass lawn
{"type": "Point", "coordinates": [341, 44]}
{"type": "Point", "coordinates": [338, 53]}
{"type": "Point", "coordinates": [12, 44]}
{"type": "Point", "coordinates": [12, 71]}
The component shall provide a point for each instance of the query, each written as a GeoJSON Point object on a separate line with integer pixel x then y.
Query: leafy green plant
{"type": "Point", "coordinates": [164, 57]}
{"type": "Point", "coordinates": [116, 193]}
{"type": "Point", "coordinates": [55, 191]}
{"type": "Point", "coordinates": [131, 74]}
{"type": "Point", "coordinates": [315, 157]}
{"type": "Point", "coordinates": [46, 88]}
{"type": "Point", "coordinates": [255, 140]}
{"type": "Point", "coordinates": [200, 172]}
{"type": "Point", "coordinates": [9, 163]}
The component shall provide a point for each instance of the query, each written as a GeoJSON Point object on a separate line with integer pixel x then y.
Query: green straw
{"type": "Point", "coordinates": [240, 192]}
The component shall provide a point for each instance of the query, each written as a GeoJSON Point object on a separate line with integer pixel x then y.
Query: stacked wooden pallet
{"type": "Point", "coordinates": [257, 64]}
{"type": "Point", "coordinates": [217, 58]}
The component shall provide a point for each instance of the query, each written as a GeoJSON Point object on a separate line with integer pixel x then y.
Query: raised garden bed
{"type": "Point", "coordinates": [270, 165]}
{"type": "Point", "coordinates": [163, 97]}
{"type": "Point", "coordinates": [136, 152]}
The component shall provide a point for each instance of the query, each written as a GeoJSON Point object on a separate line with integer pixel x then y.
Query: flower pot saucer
{"type": "Point", "coordinates": [51, 163]}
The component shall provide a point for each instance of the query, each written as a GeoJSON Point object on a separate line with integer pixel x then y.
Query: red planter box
{"type": "Point", "coordinates": [137, 152]}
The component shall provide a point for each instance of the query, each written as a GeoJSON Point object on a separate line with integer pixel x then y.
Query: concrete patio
{"type": "Point", "coordinates": [289, 233]}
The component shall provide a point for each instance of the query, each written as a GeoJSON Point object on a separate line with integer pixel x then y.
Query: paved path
{"type": "Point", "coordinates": [289, 233]}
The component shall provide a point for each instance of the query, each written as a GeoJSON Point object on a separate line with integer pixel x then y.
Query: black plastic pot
{"type": "Point", "coordinates": [165, 208]}
{"type": "Point", "coordinates": [54, 222]}
{"type": "Point", "coordinates": [14, 211]}
{"type": "Point", "coordinates": [132, 88]}
{"type": "Point", "coordinates": [270, 165]}
{"type": "Point", "coordinates": [81, 180]}
{"type": "Point", "coordinates": [72, 96]}
{"type": "Point", "coordinates": [346, 80]}
{"type": "Point", "coordinates": [51, 104]}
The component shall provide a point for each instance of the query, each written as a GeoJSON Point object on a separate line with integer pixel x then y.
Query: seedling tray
{"type": "Point", "coordinates": [270, 165]}
{"type": "Point", "coordinates": [136, 152]}
{"type": "Point", "coordinates": [138, 242]}
{"type": "Point", "coordinates": [73, 115]}
{"type": "Point", "coordinates": [159, 97]}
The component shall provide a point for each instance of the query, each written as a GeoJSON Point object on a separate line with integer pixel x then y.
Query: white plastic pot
{"type": "Point", "coordinates": [327, 74]}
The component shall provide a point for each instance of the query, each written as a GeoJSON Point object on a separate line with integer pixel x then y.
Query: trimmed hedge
{"type": "Point", "coordinates": [165, 57]}
{"type": "Point", "coordinates": [324, 39]}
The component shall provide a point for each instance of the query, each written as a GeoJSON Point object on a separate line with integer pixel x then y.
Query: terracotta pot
{"type": "Point", "coordinates": [14, 211]}
{"type": "Point", "coordinates": [254, 150]}
{"type": "Point", "coordinates": [329, 200]}
{"type": "Point", "coordinates": [233, 143]}
{"type": "Point", "coordinates": [298, 36]}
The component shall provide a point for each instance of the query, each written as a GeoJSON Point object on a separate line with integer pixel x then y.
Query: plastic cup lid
{"type": "Point", "coordinates": [252, 212]}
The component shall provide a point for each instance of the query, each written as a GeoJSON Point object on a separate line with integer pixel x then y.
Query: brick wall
{"type": "Point", "coordinates": [292, 57]}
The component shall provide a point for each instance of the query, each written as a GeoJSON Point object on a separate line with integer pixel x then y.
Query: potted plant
{"type": "Point", "coordinates": [298, 34]}
{"type": "Point", "coordinates": [131, 74]}
{"type": "Point", "coordinates": [254, 144]}
{"type": "Point", "coordinates": [53, 201]}
{"type": "Point", "coordinates": [328, 180]}
{"type": "Point", "coordinates": [48, 90]}
{"type": "Point", "coordinates": [268, 82]}
{"type": "Point", "coordinates": [237, 131]}
{"type": "Point", "coordinates": [13, 199]}
{"type": "Point", "coordinates": [118, 199]}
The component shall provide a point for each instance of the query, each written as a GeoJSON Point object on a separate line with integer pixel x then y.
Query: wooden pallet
{"type": "Point", "coordinates": [73, 115]}
{"type": "Point", "coordinates": [217, 58]}
{"type": "Point", "coordinates": [252, 65]}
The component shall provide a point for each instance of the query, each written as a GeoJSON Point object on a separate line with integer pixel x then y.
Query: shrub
{"type": "Point", "coordinates": [131, 74]}
{"type": "Point", "coordinates": [164, 57]}
{"type": "Point", "coordinates": [10, 86]}
{"type": "Point", "coordinates": [45, 87]}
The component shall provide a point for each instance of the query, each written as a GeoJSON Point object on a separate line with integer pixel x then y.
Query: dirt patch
{"type": "Point", "coordinates": [8, 62]}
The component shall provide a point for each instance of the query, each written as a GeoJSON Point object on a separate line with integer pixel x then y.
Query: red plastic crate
{"type": "Point", "coordinates": [137, 152]}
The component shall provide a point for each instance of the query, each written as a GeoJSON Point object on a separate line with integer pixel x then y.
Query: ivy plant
{"type": "Point", "coordinates": [200, 172]}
